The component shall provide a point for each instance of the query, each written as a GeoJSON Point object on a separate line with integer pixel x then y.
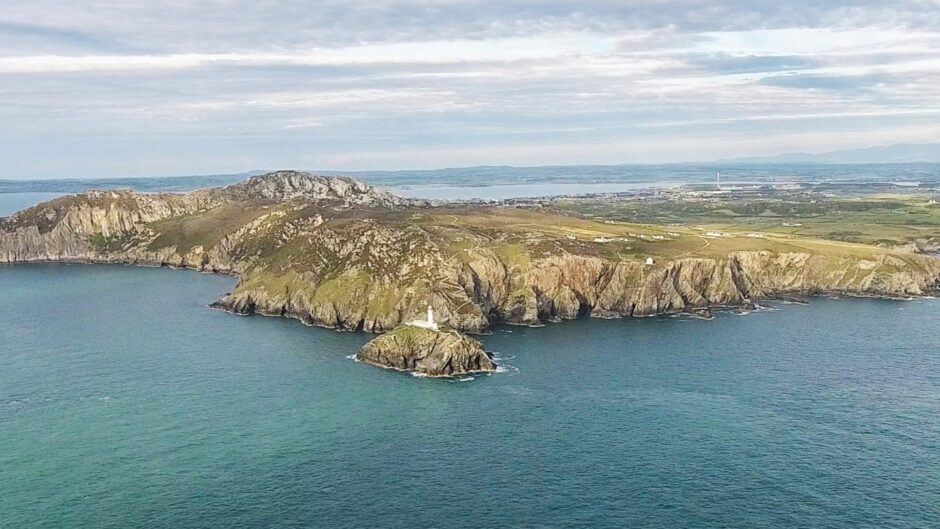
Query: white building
{"type": "Point", "coordinates": [649, 261]}
{"type": "Point", "coordinates": [429, 324]}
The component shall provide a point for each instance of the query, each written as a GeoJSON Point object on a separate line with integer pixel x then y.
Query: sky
{"type": "Point", "coordinates": [97, 88]}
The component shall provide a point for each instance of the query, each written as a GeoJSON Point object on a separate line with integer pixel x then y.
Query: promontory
{"type": "Point", "coordinates": [339, 253]}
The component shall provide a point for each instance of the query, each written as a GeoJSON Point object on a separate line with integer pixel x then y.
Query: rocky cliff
{"type": "Point", "coordinates": [429, 352]}
{"type": "Point", "coordinates": [474, 295]}
{"type": "Point", "coordinates": [338, 253]}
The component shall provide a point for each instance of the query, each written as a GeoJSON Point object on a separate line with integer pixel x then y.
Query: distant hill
{"type": "Point", "coordinates": [897, 153]}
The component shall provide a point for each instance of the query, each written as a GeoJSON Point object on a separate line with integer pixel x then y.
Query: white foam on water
{"type": "Point", "coordinates": [501, 367]}
{"type": "Point", "coordinates": [507, 368]}
{"type": "Point", "coordinates": [791, 302]}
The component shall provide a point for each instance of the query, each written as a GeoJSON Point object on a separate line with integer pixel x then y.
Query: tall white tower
{"type": "Point", "coordinates": [428, 323]}
{"type": "Point", "coordinates": [718, 179]}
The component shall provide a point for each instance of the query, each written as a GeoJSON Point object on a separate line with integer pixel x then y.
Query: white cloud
{"type": "Point", "coordinates": [383, 84]}
{"type": "Point", "coordinates": [431, 52]}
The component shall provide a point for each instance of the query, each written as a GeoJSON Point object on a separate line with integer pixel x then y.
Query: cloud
{"type": "Point", "coordinates": [26, 36]}
{"type": "Point", "coordinates": [429, 52]}
{"type": "Point", "coordinates": [724, 63]}
{"type": "Point", "coordinates": [296, 82]}
{"type": "Point", "coordinates": [838, 83]}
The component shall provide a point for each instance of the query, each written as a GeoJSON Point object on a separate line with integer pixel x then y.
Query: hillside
{"type": "Point", "coordinates": [339, 253]}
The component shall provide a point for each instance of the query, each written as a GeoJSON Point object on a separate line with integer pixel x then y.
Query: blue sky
{"type": "Point", "coordinates": [139, 88]}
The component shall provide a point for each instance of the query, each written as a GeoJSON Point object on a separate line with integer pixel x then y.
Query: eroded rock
{"type": "Point", "coordinates": [436, 353]}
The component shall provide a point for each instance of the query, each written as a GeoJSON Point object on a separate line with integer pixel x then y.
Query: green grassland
{"type": "Point", "coordinates": [885, 220]}
{"type": "Point", "coordinates": [205, 228]}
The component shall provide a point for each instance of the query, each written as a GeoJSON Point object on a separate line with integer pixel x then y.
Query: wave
{"type": "Point", "coordinates": [507, 369]}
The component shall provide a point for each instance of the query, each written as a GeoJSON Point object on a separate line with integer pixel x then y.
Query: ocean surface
{"type": "Point", "coordinates": [507, 191]}
{"type": "Point", "coordinates": [598, 178]}
{"type": "Point", "coordinates": [126, 402]}
{"type": "Point", "coordinates": [13, 202]}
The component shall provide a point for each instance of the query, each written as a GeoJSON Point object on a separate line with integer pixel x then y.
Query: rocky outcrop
{"type": "Point", "coordinates": [287, 185]}
{"type": "Point", "coordinates": [436, 353]}
{"type": "Point", "coordinates": [927, 245]}
{"type": "Point", "coordinates": [68, 228]}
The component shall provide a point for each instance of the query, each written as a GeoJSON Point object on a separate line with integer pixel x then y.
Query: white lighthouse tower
{"type": "Point", "coordinates": [429, 323]}
{"type": "Point", "coordinates": [718, 179]}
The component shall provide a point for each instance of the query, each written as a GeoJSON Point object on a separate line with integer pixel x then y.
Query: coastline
{"type": "Point", "coordinates": [748, 305]}
{"type": "Point", "coordinates": [338, 253]}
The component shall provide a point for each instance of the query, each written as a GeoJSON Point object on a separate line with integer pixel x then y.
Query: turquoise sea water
{"type": "Point", "coordinates": [126, 402]}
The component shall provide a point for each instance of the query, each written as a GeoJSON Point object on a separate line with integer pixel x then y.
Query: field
{"type": "Point", "coordinates": [792, 217]}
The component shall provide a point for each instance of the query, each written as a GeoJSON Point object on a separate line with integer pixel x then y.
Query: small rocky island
{"type": "Point", "coordinates": [423, 347]}
{"type": "Point", "coordinates": [435, 353]}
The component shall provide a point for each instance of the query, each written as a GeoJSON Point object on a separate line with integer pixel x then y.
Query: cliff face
{"type": "Point", "coordinates": [338, 253]}
{"type": "Point", "coordinates": [442, 353]}
{"type": "Point", "coordinates": [124, 226]}
{"type": "Point", "coordinates": [567, 286]}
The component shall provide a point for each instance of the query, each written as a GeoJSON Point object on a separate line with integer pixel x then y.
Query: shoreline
{"type": "Point", "coordinates": [696, 312]}
{"type": "Point", "coordinates": [371, 264]}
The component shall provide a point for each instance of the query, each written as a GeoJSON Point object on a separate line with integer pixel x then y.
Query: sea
{"type": "Point", "coordinates": [125, 401]}
{"type": "Point", "coordinates": [499, 182]}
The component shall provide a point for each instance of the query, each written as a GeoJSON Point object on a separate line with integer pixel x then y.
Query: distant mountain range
{"type": "Point", "coordinates": [897, 153]}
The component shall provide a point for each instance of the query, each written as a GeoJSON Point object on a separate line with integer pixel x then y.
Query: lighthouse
{"type": "Point", "coordinates": [426, 324]}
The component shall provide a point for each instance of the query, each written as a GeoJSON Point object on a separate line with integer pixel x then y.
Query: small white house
{"type": "Point", "coordinates": [649, 261]}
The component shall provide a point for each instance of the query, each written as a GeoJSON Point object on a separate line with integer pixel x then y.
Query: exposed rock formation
{"type": "Point", "coordinates": [338, 253]}
{"type": "Point", "coordinates": [442, 353]}
{"type": "Point", "coordinates": [286, 185]}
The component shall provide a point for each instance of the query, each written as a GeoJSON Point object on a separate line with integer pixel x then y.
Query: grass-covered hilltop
{"type": "Point", "coordinates": [339, 253]}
